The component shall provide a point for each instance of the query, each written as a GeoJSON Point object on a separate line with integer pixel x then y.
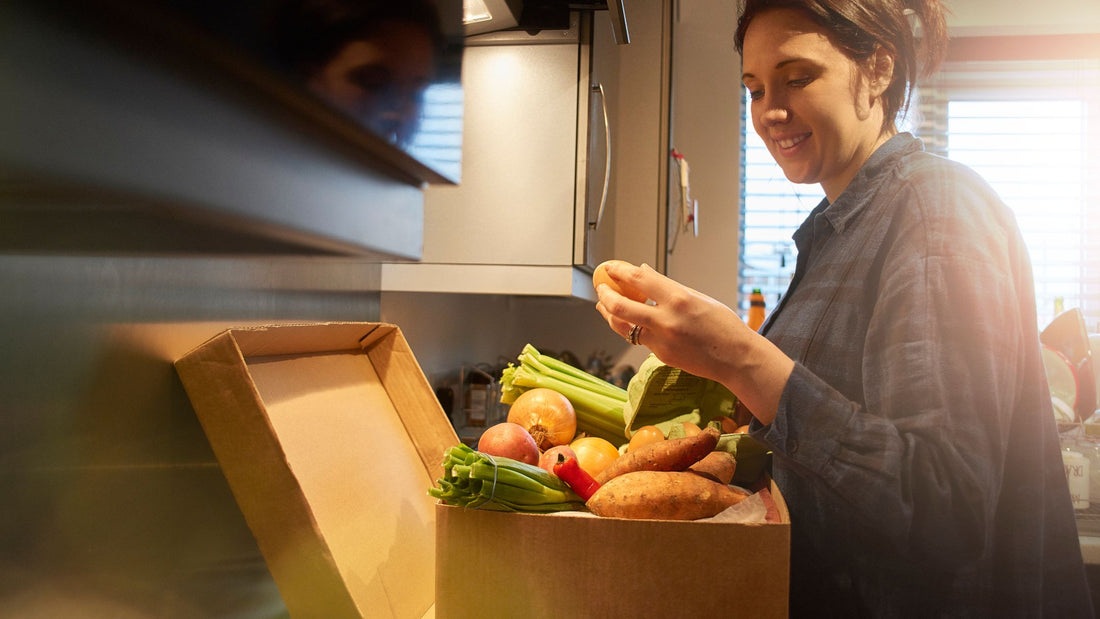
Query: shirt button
{"type": "Point", "coordinates": [792, 445]}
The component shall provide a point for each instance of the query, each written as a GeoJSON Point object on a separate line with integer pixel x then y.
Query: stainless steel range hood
{"type": "Point", "coordinates": [483, 16]}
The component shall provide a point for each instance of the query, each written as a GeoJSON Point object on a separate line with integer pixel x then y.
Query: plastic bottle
{"type": "Point", "coordinates": [756, 309]}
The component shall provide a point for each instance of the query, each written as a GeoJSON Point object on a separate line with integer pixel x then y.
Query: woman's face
{"type": "Point", "coordinates": [818, 113]}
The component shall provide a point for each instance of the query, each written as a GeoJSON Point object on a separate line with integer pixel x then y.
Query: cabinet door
{"type": "Point", "coordinates": [596, 157]}
{"type": "Point", "coordinates": [634, 80]}
{"type": "Point", "coordinates": [515, 201]}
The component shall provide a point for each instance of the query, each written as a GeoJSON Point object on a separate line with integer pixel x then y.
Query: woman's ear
{"type": "Point", "coordinates": [880, 71]}
{"type": "Point", "coordinates": [875, 75]}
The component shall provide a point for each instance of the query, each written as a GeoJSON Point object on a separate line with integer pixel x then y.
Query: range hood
{"type": "Point", "coordinates": [482, 16]}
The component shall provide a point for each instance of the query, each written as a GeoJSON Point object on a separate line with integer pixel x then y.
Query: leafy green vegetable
{"type": "Point", "coordinates": [474, 479]}
{"type": "Point", "coordinates": [598, 403]}
{"type": "Point", "coordinates": [753, 457]}
{"type": "Point", "coordinates": [665, 396]}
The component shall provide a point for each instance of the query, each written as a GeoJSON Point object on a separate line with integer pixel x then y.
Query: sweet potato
{"type": "Point", "coordinates": [675, 454]}
{"type": "Point", "coordinates": [717, 465]}
{"type": "Point", "coordinates": [663, 495]}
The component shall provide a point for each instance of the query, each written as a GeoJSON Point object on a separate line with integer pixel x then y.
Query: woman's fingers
{"type": "Point", "coordinates": [620, 312]}
{"type": "Point", "coordinates": [639, 281]}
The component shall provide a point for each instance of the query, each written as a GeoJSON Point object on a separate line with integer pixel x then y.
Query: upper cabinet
{"type": "Point", "coordinates": [562, 161]}
{"type": "Point", "coordinates": [200, 126]}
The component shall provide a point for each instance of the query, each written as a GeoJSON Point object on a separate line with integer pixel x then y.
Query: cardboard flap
{"type": "Point", "coordinates": [318, 429]}
{"type": "Point", "coordinates": [424, 418]}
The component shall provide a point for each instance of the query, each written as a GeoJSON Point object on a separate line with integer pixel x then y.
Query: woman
{"type": "Point", "coordinates": [899, 381]}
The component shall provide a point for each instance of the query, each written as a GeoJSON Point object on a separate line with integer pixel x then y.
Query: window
{"type": "Point", "coordinates": [1023, 125]}
{"type": "Point", "coordinates": [771, 209]}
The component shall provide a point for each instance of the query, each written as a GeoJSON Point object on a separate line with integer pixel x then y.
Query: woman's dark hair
{"type": "Point", "coordinates": [859, 27]}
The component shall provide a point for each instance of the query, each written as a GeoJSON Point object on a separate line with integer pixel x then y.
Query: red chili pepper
{"type": "Point", "coordinates": [575, 477]}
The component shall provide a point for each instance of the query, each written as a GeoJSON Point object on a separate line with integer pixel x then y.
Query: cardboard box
{"type": "Point", "coordinates": [330, 436]}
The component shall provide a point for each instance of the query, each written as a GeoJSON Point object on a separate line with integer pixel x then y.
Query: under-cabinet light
{"type": "Point", "coordinates": [474, 11]}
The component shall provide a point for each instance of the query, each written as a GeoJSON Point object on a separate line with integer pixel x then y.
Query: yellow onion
{"type": "Point", "coordinates": [547, 415]}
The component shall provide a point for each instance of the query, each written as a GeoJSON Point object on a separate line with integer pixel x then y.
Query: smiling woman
{"type": "Point", "coordinates": [915, 444]}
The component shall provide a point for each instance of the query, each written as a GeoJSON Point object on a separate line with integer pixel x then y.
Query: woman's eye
{"type": "Point", "coordinates": [799, 82]}
{"type": "Point", "coordinates": [755, 95]}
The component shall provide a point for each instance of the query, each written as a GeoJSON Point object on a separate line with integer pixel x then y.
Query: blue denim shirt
{"type": "Point", "coordinates": [915, 443]}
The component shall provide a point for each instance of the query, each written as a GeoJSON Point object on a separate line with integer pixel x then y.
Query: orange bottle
{"type": "Point", "coordinates": [756, 309]}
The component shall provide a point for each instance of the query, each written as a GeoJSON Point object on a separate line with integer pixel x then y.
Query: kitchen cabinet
{"type": "Point", "coordinates": [519, 221]}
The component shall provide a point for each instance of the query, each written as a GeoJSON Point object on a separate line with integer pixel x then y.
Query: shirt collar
{"type": "Point", "coordinates": [866, 182]}
{"type": "Point", "coordinates": [861, 190]}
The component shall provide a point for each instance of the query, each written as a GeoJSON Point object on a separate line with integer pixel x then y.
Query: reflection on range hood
{"type": "Point", "coordinates": [481, 16]}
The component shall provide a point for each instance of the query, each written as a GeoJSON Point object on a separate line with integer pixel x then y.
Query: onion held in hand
{"type": "Point", "coordinates": [546, 415]}
{"type": "Point", "coordinates": [509, 440]}
{"type": "Point", "coordinates": [600, 276]}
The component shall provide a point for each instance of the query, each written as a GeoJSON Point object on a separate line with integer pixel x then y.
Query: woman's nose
{"type": "Point", "coordinates": [774, 112]}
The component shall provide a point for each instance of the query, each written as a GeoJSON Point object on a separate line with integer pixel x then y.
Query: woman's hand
{"type": "Point", "coordinates": [691, 331]}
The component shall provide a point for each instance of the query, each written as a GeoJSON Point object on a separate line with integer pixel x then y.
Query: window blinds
{"type": "Point", "coordinates": [771, 210]}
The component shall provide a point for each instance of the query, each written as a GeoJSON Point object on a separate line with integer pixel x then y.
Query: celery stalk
{"type": "Point", "coordinates": [598, 404]}
{"type": "Point", "coordinates": [570, 374]}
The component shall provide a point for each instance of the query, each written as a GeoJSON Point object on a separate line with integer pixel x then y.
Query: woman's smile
{"type": "Point", "coordinates": [787, 144]}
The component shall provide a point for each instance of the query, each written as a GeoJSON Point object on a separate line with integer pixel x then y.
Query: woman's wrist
{"type": "Point", "coordinates": [758, 375]}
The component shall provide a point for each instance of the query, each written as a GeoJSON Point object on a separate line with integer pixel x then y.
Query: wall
{"type": "Point", "coordinates": [1008, 17]}
{"type": "Point", "coordinates": [446, 331]}
{"type": "Point", "coordinates": [706, 129]}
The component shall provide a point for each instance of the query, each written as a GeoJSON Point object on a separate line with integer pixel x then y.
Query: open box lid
{"type": "Point", "coordinates": [329, 436]}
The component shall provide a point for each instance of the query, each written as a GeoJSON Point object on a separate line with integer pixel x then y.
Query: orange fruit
{"type": "Point", "coordinates": [594, 453]}
{"type": "Point", "coordinates": [645, 435]}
